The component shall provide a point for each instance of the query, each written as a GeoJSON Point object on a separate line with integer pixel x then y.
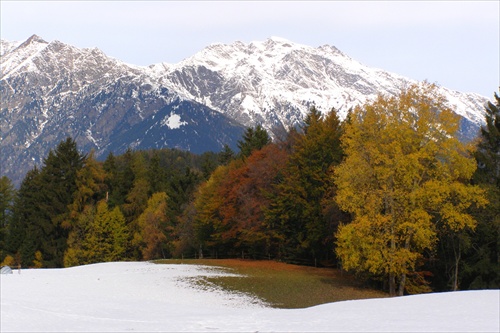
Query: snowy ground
{"type": "Point", "coordinates": [139, 296]}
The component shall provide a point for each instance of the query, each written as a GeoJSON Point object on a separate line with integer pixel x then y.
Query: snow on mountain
{"type": "Point", "coordinates": [141, 296]}
{"type": "Point", "coordinates": [275, 82]}
{"type": "Point", "coordinates": [54, 90]}
{"type": "Point", "coordinates": [51, 90]}
{"type": "Point", "coordinates": [7, 46]}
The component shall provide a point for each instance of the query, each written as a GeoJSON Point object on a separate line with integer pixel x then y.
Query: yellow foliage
{"type": "Point", "coordinates": [38, 261]}
{"type": "Point", "coordinates": [8, 261]}
{"type": "Point", "coordinates": [404, 176]}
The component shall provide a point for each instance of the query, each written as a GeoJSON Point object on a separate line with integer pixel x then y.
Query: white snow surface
{"type": "Point", "coordinates": [173, 121]}
{"type": "Point", "coordinates": [141, 296]}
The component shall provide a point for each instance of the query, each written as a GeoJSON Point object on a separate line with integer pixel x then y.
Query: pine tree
{"type": "Point", "coordinates": [488, 152]}
{"type": "Point", "coordinates": [296, 209]}
{"type": "Point", "coordinates": [119, 177]}
{"type": "Point", "coordinates": [41, 208]}
{"type": "Point", "coordinates": [226, 155]}
{"type": "Point", "coordinates": [156, 174]}
{"type": "Point", "coordinates": [7, 194]}
{"type": "Point", "coordinates": [482, 269]}
{"type": "Point", "coordinates": [58, 178]}
{"type": "Point", "coordinates": [253, 139]}
{"type": "Point", "coordinates": [25, 233]}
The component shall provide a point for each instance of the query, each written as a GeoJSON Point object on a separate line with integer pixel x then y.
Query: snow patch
{"type": "Point", "coordinates": [173, 121]}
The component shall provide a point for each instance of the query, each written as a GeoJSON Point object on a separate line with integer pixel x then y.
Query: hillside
{"type": "Point", "coordinates": [139, 296]}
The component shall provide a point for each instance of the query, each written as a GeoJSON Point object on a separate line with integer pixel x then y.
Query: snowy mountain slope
{"type": "Point", "coordinates": [54, 90]}
{"type": "Point", "coordinates": [51, 90]}
{"type": "Point", "coordinates": [274, 82]}
{"type": "Point", "coordinates": [140, 296]}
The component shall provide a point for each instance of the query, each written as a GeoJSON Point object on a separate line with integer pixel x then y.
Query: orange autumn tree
{"type": "Point", "coordinates": [230, 204]}
{"type": "Point", "coordinates": [245, 197]}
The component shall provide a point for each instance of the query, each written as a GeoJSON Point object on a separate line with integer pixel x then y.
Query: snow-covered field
{"type": "Point", "coordinates": [140, 296]}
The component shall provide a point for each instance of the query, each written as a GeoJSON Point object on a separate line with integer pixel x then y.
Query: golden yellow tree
{"type": "Point", "coordinates": [153, 227]}
{"type": "Point", "coordinates": [404, 176]}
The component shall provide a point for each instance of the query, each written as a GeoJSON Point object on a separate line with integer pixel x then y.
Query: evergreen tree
{"type": "Point", "coordinates": [7, 194]}
{"type": "Point", "coordinates": [58, 177]}
{"type": "Point", "coordinates": [111, 180]}
{"type": "Point", "coordinates": [482, 269]}
{"type": "Point", "coordinates": [120, 177]}
{"type": "Point", "coordinates": [488, 152]}
{"type": "Point", "coordinates": [42, 207]}
{"type": "Point", "coordinates": [296, 209]}
{"type": "Point", "coordinates": [182, 185]}
{"type": "Point", "coordinates": [226, 155]}
{"type": "Point", "coordinates": [156, 174]}
{"type": "Point", "coordinates": [253, 139]}
{"type": "Point", "coordinates": [25, 233]}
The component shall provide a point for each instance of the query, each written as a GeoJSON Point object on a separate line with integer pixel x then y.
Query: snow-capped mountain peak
{"type": "Point", "coordinates": [51, 90]}
{"type": "Point", "coordinates": [274, 82]}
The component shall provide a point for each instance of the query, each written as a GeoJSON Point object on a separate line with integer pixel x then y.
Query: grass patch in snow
{"type": "Point", "coordinates": [283, 285]}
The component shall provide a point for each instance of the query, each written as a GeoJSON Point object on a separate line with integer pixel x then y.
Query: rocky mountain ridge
{"type": "Point", "coordinates": [51, 90]}
{"type": "Point", "coordinates": [274, 82]}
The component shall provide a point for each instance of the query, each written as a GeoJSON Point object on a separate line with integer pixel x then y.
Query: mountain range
{"type": "Point", "coordinates": [52, 90]}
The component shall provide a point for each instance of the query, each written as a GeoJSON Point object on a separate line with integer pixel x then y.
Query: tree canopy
{"type": "Point", "coordinates": [404, 177]}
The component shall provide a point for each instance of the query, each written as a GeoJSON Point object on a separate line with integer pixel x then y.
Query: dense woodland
{"type": "Point", "coordinates": [389, 194]}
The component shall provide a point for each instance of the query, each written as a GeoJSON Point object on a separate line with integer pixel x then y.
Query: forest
{"type": "Point", "coordinates": [389, 194]}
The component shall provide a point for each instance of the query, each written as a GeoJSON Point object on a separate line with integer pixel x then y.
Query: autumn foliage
{"type": "Point", "coordinates": [388, 193]}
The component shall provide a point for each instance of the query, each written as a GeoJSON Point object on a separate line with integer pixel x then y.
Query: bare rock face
{"type": "Point", "coordinates": [53, 90]}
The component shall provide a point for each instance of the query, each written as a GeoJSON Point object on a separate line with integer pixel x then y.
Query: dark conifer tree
{"type": "Point", "coordinates": [111, 180]}
{"type": "Point", "coordinates": [25, 231]}
{"type": "Point", "coordinates": [296, 210]}
{"type": "Point", "coordinates": [253, 139]}
{"type": "Point", "coordinates": [156, 174]}
{"type": "Point", "coordinates": [226, 155]}
{"type": "Point", "coordinates": [482, 261]}
{"type": "Point", "coordinates": [58, 179]}
{"type": "Point", "coordinates": [488, 152]}
{"type": "Point", "coordinates": [42, 206]}
{"type": "Point", "coordinates": [7, 193]}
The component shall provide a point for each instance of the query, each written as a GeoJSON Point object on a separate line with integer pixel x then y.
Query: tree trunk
{"type": "Point", "coordinates": [458, 256]}
{"type": "Point", "coordinates": [402, 281]}
{"type": "Point", "coordinates": [392, 284]}
{"type": "Point", "coordinates": [392, 276]}
{"type": "Point", "coordinates": [401, 287]}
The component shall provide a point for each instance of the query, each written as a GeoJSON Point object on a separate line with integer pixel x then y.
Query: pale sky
{"type": "Point", "coordinates": [455, 44]}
